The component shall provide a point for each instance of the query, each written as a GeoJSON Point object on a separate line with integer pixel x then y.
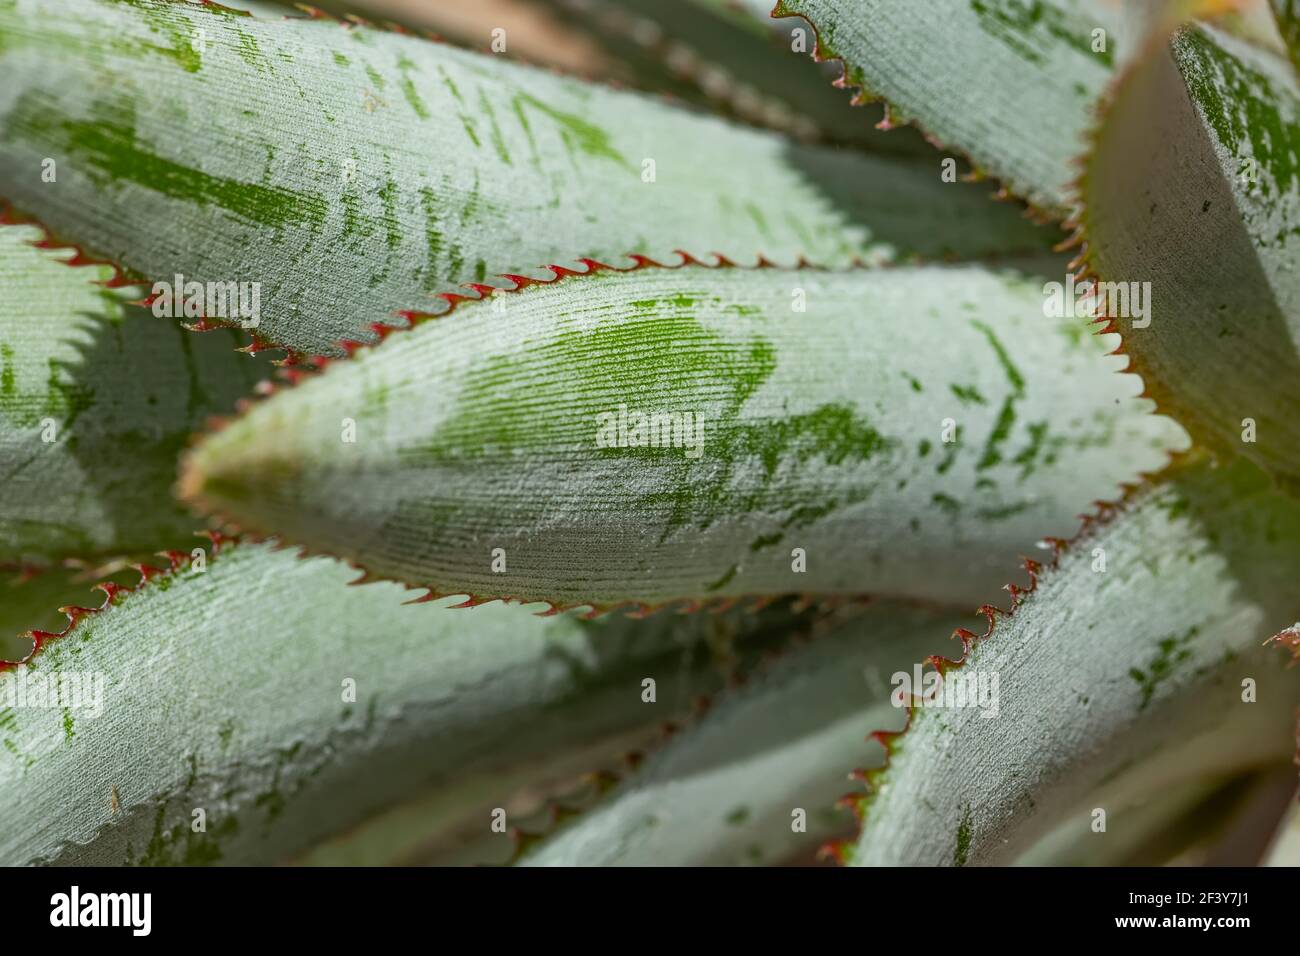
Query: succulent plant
{"type": "Point", "coordinates": [666, 438]}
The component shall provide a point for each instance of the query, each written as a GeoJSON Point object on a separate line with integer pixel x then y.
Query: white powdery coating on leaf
{"type": "Point", "coordinates": [1191, 192]}
{"type": "Point", "coordinates": [356, 173]}
{"type": "Point", "coordinates": [826, 430]}
{"type": "Point", "coordinates": [725, 792]}
{"type": "Point", "coordinates": [209, 701]}
{"type": "Point", "coordinates": [1011, 90]}
{"type": "Point", "coordinates": [96, 398]}
{"type": "Point", "coordinates": [1111, 683]}
{"type": "Point", "coordinates": [1249, 84]}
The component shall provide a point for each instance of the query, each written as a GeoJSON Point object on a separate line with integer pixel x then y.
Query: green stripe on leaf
{"type": "Point", "coordinates": [1135, 663]}
{"type": "Point", "coordinates": [792, 452]}
{"type": "Point", "coordinates": [283, 737]}
{"type": "Point", "coordinates": [354, 188]}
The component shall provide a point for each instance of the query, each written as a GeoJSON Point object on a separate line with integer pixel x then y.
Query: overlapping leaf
{"type": "Point", "coordinates": [1009, 84]}
{"type": "Point", "coordinates": [196, 697]}
{"type": "Point", "coordinates": [643, 438]}
{"type": "Point", "coordinates": [1192, 200]}
{"type": "Point", "coordinates": [705, 52]}
{"type": "Point", "coordinates": [1012, 85]}
{"type": "Point", "coordinates": [741, 61]}
{"type": "Point", "coordinates": [756, 779]}
{"type": "Point", "coordinates": [814, 434]}
{"type": "Point", "coordinates": [354, 173]}
{"type": "Point", "coordinates": [97, 399]}
{"type": "Point", "coordinates": [31, 597]}
{"type": "Point", "coordinates": [1111, 681]}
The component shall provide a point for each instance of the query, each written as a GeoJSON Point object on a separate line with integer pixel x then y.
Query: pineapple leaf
{"type": "Point", "coordinates": [1009, 84]}
{"type": "Point", "coordinates": [755, 780]}
{"type": "Point", "coordinates": [1012, 85]}
{"type": "Point", "coordinates": [97, 399]}
{"type": "Point", "coordinates": [31, 596]}
{"type": "Point", "coordinates": [283, 736]}
{"type": "Point", "coordinates": [740, 61]}
{"type": "Point", "coordinates": [1115, 682]}
{"type": "Point", "coordinates": [1192, 197]}
{"type": "Point", "coordinates": [705, 52]}
{"type": "Point", "coordinates": [353, 173]}
{"type": "Point", "coordinates": [817, 433]}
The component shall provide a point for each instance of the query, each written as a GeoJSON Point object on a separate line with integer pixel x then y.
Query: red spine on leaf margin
{"type": "Point", "coordinates": [9, 216]}
{"type": "Point", "coordinates": [122, 277]}
{"type": "Point", "coordinates": [1289, 640]}
{"type": "Point", "coordinates": [454, 300]}
{"type": "Point", "coordinates": [296, 365]}
{"type": "Point", "coordinates": [1103, 514]}
{"type": "Point", "coordinates": [114, 594]}
{"type": "Point", "coordinates": [1164, 399]}
{"type": "Point", "coordinates": [822, 54]}
{"type": "Point", "coordinates": [314, 365]}
{"type": "Point", "coordinates": [562, 807]}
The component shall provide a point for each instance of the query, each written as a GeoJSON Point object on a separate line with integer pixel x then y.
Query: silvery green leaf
{"type": "Point", "coordinates": [907, 431]}
{"type": "Point", "coordinates": [1197, 211]}
{"type": "Point", "coordinates": [287, 706]}
{"type": "Point", "coordinates": [1132, 679]}
{"type": "Point", "coordinates": [1010, 85]}
{"type": "Point", "coordinates": [97, 400]}
{"type": "Point", "coordinates": [354, 173]}
{"type": "Point", "coordinates": [755, 781]}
